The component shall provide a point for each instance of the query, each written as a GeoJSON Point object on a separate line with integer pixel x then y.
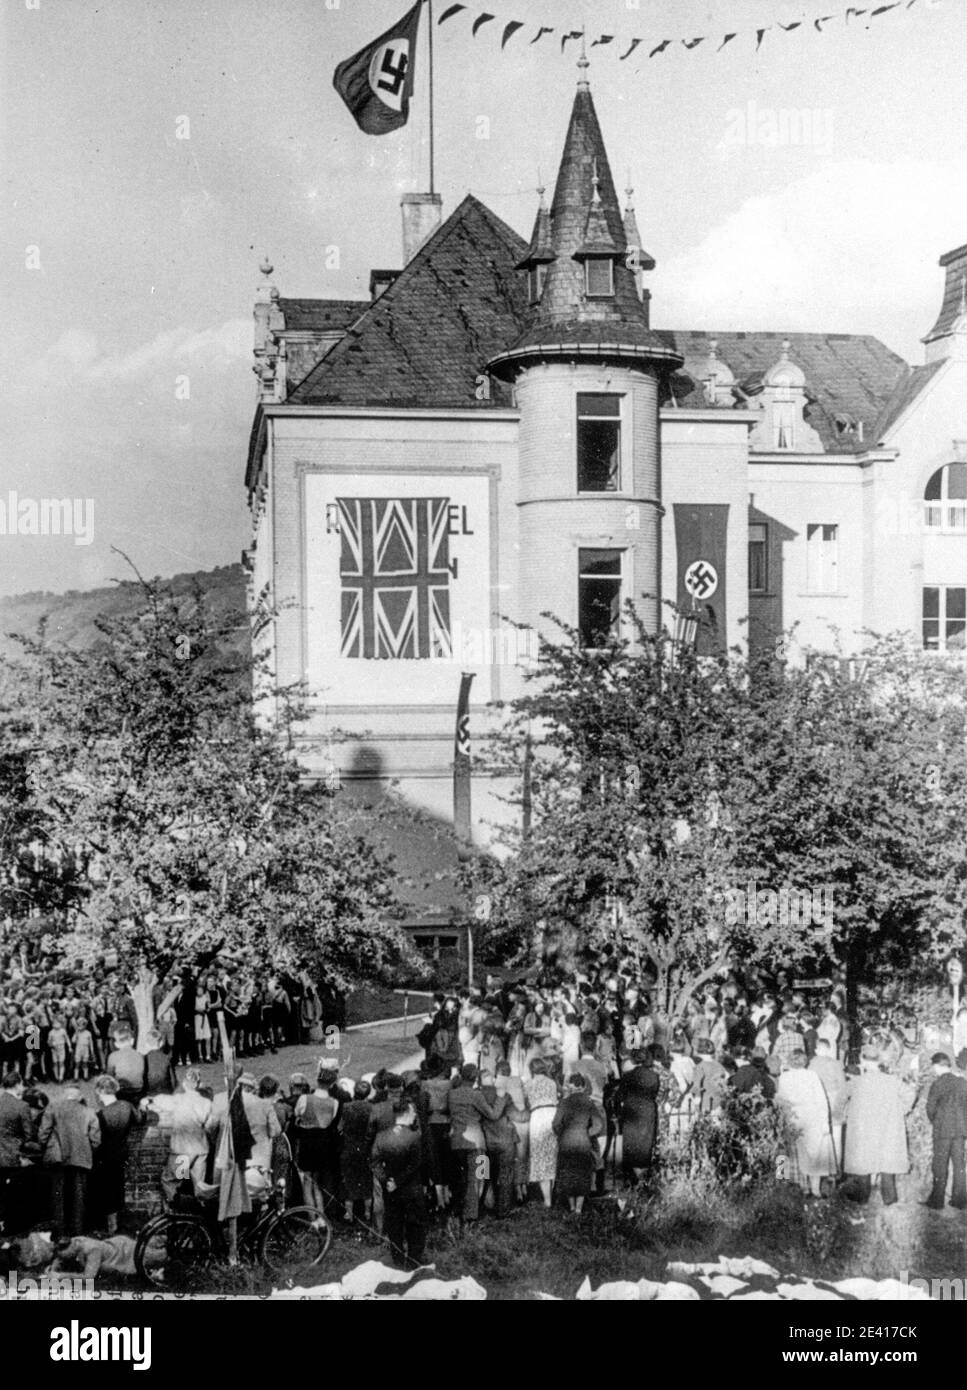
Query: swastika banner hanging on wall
{"type": "Point", "coordinates": [377, 82]}
{"type": "Point", "coordinates": [395, 575]}
{"type": "Point", "coordinates": [701, 539]}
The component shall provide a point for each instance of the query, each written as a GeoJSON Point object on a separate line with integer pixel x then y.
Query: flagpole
{"type": "Point", "coordinates": [429, 6]}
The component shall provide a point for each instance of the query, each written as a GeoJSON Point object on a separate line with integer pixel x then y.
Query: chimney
{"type": "Point", "coordinates": [939, 341]}
{"type": "Point", "coordinates": [422, 214]}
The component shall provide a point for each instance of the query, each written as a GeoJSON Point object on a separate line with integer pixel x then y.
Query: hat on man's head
{"type": "Point", "coordinates": [247, 1079]}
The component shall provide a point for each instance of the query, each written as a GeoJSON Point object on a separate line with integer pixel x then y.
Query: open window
{"type": "Point", "coordinates": [599, 596]}
{"type": "Point", "coordinates": [599, 441]}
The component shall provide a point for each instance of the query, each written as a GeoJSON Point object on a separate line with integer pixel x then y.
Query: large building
{"type": "Point", "coordinates": [500, 432]}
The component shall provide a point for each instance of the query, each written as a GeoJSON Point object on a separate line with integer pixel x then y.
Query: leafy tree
{"type": "Point", "coordinates": [670, 792]}
{"type": "Point", "coordinates": [195, 822]}
{"type": "Point", "coordinates": [869, 800]}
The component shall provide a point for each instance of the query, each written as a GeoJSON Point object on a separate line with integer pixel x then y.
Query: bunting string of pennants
{"type": "Point", "coordinates": [627, 46]}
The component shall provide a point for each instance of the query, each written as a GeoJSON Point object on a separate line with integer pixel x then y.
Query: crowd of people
{"type": "Point", "coordinates": [555, 1090]}
{"type": "Point", "coordinates": [57, 1020]}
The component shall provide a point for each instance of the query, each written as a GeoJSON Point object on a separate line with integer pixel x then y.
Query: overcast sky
{"type": "Point", "coordinates": [147, 244]}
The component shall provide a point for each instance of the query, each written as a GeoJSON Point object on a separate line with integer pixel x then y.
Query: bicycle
{"type": "Point", "coordinates": [177, 1246]}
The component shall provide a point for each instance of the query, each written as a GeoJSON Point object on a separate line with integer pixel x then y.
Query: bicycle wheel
{"type": "Point", "coordinates": [298, 1237]}
{"type": "Point", "coordinates": [173, 1251]}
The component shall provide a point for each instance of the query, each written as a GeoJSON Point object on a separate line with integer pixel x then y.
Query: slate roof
{"type": "Point", "coordinates": [425, 340]}
{"type": "Point", "coordinates": [585, 219]}
{"type": "Point", "coordinates": [848, 374]}
{"type": "Point", "coordinates": [540, 248]}
{"type": "Point", "coordinates": [321, 315]}
{"type": "Point", "coordinates": [460, 302]}
{"type": "Point", "coordinates": [905, 392]}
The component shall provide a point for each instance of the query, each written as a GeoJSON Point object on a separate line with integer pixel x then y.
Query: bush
{"type": "Point", "coordinates": [741, 1143]}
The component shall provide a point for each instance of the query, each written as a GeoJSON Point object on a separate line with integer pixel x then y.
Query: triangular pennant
{"type": "Point", "coordinates": [818, 23]}
{"type": "Point", "coordinates": [660, 48]}
{"type": "Point", "coordinates": [480, 21]}
{"type": "Point", "coordinates": [449, 12]}
{"type": "Point", "coordinates": [794, 25]}
{"type": "Point", "coordinates": [853, 11]}
{"type": "Point", "coordinates": [693, 43]}
{"type": "Point", "coordinates": [574, 34]}
{"type": "Point", "coordinates": [541, 32]}
{"type": "Point", "coordinates": [605, 38]}
{"type": "Point", "coordinates": [510, 30]}
{"type": "Point", "coordinates": [883, 9]}
{"type": "Point", "coordinates": [759, 36]}
{"type": "Point", "coordinates": [728, 39]}
{"type": "Point", "coordinates": [634, 45]}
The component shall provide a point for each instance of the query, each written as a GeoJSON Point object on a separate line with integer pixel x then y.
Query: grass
{"type": "Point", "coordinates": [537, 1251]}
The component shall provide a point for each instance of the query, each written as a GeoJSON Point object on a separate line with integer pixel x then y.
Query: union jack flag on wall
{"type": "Point", "coordinates": [395, 572]}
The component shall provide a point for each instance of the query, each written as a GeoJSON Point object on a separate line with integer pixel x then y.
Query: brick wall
{"type": "Point", "coordinates": [147, 1153]}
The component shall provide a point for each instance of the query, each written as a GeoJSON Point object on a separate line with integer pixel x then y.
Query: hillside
{"type": "Point", "coordinates": [71, 617]}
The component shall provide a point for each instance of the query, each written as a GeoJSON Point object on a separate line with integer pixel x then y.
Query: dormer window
{"type": "Point", "coordinates": [783, 420]}
{"type": "Point", "coordinates": [786, 398]}
{"type": "Point", "coordinates": [599, 277]}
{"type": "Point", "coordinates": [536, 276]}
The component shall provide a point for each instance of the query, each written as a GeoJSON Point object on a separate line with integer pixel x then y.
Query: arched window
{"type": "Point", "coordinates": [945, 499]}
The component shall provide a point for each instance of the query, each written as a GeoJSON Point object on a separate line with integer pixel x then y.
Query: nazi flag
{"type": "Point", "coordinates": [377, 82]}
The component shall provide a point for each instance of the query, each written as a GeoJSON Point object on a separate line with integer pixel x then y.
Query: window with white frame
{"type": "Point", "coordinates": [599, 596]}
{"type": "Point", "coordinates": [944, 617]}
{"type": "Point", "coordinates": [822, 558]}
{"type": "Point", "coordinates": [945, 499]}
{"type": "Point", "coordinates": [599, 441]}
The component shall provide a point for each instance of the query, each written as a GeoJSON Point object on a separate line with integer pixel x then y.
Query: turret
{"type": "Point", "coordinates": [588, 376]}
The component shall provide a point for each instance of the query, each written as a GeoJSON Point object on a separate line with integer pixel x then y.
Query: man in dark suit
{"type": "Point", "coordinates": [16, 1132]}
{"type": "Point", "coordinates": [947, 1112]}
{"type": "Point", "coordinates": [397, 1155]}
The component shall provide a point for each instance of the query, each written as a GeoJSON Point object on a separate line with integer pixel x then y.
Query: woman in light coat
{"type": "Point", "coordinates": [802, 1098]}
{"type": "Point", "coordinates": [876, 1133]}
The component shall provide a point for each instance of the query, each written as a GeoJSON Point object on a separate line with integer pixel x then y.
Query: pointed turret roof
{"type": "Point", "coordinates": [598, 240]}
{"type": "Point", "coordinates": [586, 220]}
{"type": "Point", "coordinates": [540, 250]}
{"type": "Point", "coordinates": [632, 234]}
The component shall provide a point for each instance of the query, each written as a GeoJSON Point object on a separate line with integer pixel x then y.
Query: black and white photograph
{"type": "Point", "coordinates": [483, 665]}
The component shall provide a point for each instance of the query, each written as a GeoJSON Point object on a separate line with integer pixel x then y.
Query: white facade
{"type": "Point", "coordinates": [796, 472]}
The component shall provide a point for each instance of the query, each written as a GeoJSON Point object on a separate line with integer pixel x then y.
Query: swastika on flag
{"type": "Point", "coordinates": [701, 579]}
{"type": "Point", "coordinates": [387, 72]}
